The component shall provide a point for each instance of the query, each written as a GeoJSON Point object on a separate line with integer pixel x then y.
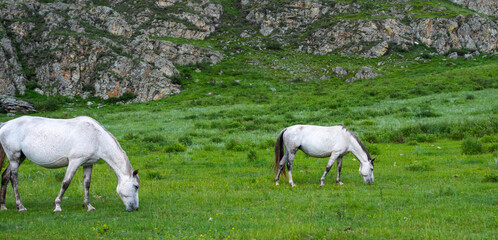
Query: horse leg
{"type": "Point", "coordinates": [289, 168]}
{"type": "Point", "coordinates": [14, 166]}
{"type": "Point", "coordinates": [87, 176]}
{"type": "Point", "coordinates": [281, 166]}
{"type": "Point", "coordinates": [339, 168]}
{"type": "Point", "coordinates": [3, 190]}
{"type": "Point", "coordinates": [71, 170]}
{"type": "Point", "coordinates": [332, 159]}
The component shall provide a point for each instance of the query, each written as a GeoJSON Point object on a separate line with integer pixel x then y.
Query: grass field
{"type": "Point", "coordinates": [205, 159]}
{"type": "Point", "coordinates": [205, 156]}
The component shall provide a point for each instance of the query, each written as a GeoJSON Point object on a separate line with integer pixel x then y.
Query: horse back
{"type": "Point", "coordinates": [317, 141]}
{"type": "Point", "coordinates": [51, 142]}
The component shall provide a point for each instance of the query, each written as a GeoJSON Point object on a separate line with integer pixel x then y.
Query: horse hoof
{"type": "Point", "coordinates": [57, 209]}
{"type": "Point", "coordinates": [23, 209]}
{"type": "Point", "coordinates": [91, 209]}
{"type": "Point", "coordinates": [3, 207]}
{"type": "Point", "coordinates": [340, 183]}
{"type": "Point", "coordinates": [321, 184]}
{"type": "Point", "coordinates": [293, 185]}
{"type": "Point", "coordinates": [276, 183]}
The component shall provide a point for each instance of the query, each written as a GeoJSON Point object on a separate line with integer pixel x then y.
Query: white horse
{"type": "Point", "coordinates": [55, 143]}
{"type": "Point", "coordinates": [320, 142]}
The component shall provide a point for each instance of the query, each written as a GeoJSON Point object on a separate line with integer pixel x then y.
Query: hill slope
{"type": "Point", "coordinates": [128, 49]}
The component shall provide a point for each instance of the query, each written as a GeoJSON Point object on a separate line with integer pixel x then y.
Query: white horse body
{"type": "Point", "coordinates": [320, 142]}
{"type": "Point", "coordinates": [55, 143]}
{"type": "Point", "coordinates": [55, 149]}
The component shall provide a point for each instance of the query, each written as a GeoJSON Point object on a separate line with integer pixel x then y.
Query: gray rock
{"type": "Point", "coordinates": [12, 105]}
{"type": "Point", "coordinates": [11, 77]}
{"type": "Point", "coordinates": [453, 55]}
{"type": "Point", "coordinates": [363, 73]}
{"type": "Point", "coordinates": [166, 3]}
{"type": "Point", "coordinates": [489, 7]}
{"type": "Point", "coordinates": [377, 50]}
{"type": "Point", "coordinates": [339, 71]}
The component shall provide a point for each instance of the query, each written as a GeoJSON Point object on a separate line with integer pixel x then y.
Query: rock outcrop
{"type": "Point", "coordinates": [489, 7]}
{"type": "Point", "coordinates": [363, 73]}
{"type": "Point", "coordinates": [369, 38]}
{"type": "Point", "coordinates": [12, 81]}
{"type": "Point", "coordinates": [12, 105]}
{"type": "Point", "coordinates": [79, 49]}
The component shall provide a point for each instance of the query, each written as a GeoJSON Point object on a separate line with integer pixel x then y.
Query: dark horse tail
{"type": "Point", "coordinates": [2, 153]}
{"type": "Point", "coordinates": [279, 153]}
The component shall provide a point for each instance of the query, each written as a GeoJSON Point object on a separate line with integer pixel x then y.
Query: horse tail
{"type": "Point", "coordinates": [2, 153]}
{"type": "Point", "coordinates": [2, 157]}
{"type": "Point", "coordinates": [279, 152]}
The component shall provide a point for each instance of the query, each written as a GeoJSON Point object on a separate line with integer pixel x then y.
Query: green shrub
{"type": "Point", "coordinates": [236, 145]}
{"type": "Point", "coordinates": [419, 167]}
{"type": "Point", "coordinates": [252, 156]}
{"type": "Point", "coordinates": [31, 85]}
{"type": "Point", "coordinates": [130, 136]}
{"type": "Point", "coordinates": [446, 191]}
{"type": "Point", "coordinates": [123, 98]}
{"type": "Point", "coordinates": [491, 147]}
{"type": "Point", "coordinates": [155, 175]}
{"type": "Point", "coordinates": [492, 177]}
{"type": "Point", "coordinates": [185, 140]}
{"type": "Point", "coordinates": [176, 147]}
{"type": "Point", "coordinates": [88, 88]}
{"type": "Point", "coordinates": [154, 138]}
{"type": "Point", "coordinates": [372, 149]}
{"type": "Point", "coordinates": [470, 97]}
{"type": "Point", "coordinates": [216, 140]}
{"type": "Point", "coordinates": [471, 146]}
{"type": "Point", "coordinates": [176, 79]}
{"type": "Point", "coordinates": [488, 139]}
{"type": "Point", "coordinates": [273, 45]}
{"type": "Point", "coordinates": [48, 104]}
{"type": "Point", "coordinates": [426, 111]}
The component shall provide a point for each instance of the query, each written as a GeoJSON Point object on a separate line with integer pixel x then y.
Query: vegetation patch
{"type": "Point", "coordinates": [471, 146]}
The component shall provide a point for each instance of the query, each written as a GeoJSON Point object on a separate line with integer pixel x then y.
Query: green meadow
{"type": "Point", "coordinates": [205, 156]}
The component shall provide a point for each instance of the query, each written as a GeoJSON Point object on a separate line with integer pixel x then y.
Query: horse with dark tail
{"type": "Point", "coordinates": [279, 155]}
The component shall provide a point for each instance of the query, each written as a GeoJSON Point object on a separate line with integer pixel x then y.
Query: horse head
{"type": "Point", "coordinates": [128, 191]}
{"type": "Point", "coordinates": [366, 171]}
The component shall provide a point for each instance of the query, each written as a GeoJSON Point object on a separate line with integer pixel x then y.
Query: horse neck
{"type": "Point", "coordinates": [114, 155]}
{"type": "Point", "coordinates": [358, 150]}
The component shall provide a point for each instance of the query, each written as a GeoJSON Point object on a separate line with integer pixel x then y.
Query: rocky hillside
{"type": "Point", "coordinates": [82, 49]}
{"type": "Point", "coordinates": [111, 48]}
{"type": "Point", "coordinates": [367, 30]}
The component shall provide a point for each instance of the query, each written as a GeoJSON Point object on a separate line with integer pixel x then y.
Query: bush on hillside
{"type": "Point", "coordinates": [471, 146]}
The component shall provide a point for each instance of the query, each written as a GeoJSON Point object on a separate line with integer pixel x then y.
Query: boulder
{"type": "Point", "coordinates": [363, 73]}
{"type": "Point", "coordinates": [12, 105]}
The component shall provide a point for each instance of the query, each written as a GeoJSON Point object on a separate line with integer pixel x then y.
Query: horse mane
{"type": "Point", "coordinates": [128, 165]}
{"type": "Point", "coordinates": [358, 140]}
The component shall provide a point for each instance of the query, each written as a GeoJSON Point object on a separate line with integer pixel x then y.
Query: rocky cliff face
{"type": "Point", "coordinates": [489, 7]}
{"type": "Point", "coordinates": [79, 49]}
{"type": "Point", "coordinates": [369, 38]}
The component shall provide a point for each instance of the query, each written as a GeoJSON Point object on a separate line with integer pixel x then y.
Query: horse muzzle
{"type": "Point", "coordinates": [131, 209]}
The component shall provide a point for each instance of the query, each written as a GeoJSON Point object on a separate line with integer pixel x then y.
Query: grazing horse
{"type": "Point", "coordinates": [320, 142]}
{"type": "Point", "coordinates": [55, 143]}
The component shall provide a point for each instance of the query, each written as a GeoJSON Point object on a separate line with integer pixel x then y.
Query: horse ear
{"type": "Point", "coordinates": [135, 173]}
{"type": "Point", "coordinates": [373, 159]}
